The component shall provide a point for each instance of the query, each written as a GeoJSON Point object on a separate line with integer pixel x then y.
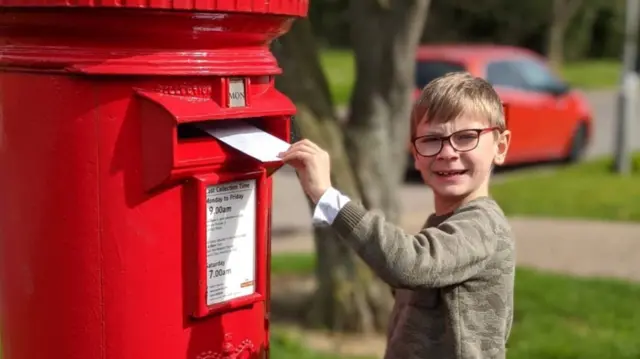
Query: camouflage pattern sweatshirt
{"type": "Point", "coordinates": [453, 281]}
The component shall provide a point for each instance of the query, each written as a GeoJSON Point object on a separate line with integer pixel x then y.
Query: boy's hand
{"type": "Point", "coordinates": [312, 165]}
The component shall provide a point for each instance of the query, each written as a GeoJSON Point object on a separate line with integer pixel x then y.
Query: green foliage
{"type": "Point", "coordinates": [589, 190]}
{"type": "Point", "coordinates": [594, 32]}
{"type": "Point", "coordinates": [521, 23]}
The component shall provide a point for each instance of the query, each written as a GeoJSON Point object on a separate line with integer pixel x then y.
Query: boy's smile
{"type": "Point", "coordinates": [455, 158]}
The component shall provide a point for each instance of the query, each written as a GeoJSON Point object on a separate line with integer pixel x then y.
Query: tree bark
{"type": "Point", "coordinates": [385, 35]}
{"type": "Point", "coordinates": [349, 297]}
{"type": "Point", "coordinates": [561, 14]}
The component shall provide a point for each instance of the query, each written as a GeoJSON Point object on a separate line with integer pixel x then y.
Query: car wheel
{"type": "Point", "coordinates": [578, 144]}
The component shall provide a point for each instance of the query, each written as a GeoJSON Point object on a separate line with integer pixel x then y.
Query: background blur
{"type": "Point", "coordinates": [353, 70]}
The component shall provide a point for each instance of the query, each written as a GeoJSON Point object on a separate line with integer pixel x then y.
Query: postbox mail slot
{"type": "Point", "coordinates": [196, 147]}
{"type": "Point", "coordinates": [174, 148]}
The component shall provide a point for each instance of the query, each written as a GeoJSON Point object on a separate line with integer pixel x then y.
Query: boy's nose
{"type": "Point", "coordinates": [447, 151]}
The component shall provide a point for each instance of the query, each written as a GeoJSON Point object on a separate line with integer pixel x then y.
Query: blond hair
{"type": "Point", "coordinates": [449, 96]}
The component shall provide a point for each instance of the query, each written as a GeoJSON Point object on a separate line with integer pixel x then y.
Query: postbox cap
{"type": "Point", "coordinates": [276, 7]}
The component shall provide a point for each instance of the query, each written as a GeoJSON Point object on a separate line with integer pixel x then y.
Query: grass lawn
{"type": "Point", "coordinates": [556, 316]}
{"type": "Point", "coordinates": [286, 346]}
{"type": "Point", "coordinates": [592, 74]}
{"type": "Point", "coordinates": [339, 69]}
{"type": "Point", "coordinates": [586, 190]}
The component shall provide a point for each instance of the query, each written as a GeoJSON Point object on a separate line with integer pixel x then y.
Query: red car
{"type": "Point", "coordinates": [549, 120]}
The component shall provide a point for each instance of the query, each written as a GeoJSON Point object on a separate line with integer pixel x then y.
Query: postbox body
{"type": "Point", "coordinates": [125, 232]}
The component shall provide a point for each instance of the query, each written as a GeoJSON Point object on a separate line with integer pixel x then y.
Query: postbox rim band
{"type": "Point", "coordinates": [151, 42]}
{"type": "Point", "coordinates": [297, 8]}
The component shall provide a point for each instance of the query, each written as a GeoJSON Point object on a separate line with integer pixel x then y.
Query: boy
{"type": "Point", "coordinates": [453, 280]}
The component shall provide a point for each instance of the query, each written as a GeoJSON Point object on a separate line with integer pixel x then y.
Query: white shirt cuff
{"type": "Point", "coordinates": [328, 207]}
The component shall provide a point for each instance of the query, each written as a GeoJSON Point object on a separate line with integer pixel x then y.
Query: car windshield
{"type": "Point", "coordinates": [428, 70]}
{"type": "Point", "coordinates": [536, 74]}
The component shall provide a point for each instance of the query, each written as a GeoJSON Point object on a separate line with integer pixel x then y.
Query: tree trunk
{"type": "Point", "coordinates": [349, 297]}
{"type": "Point", "coordinates": [369, 164]}
{"type": "Point", "coordinates": [561, 14]}
{"type": "Point", "coordinates": [385, 35]}
{"type": "Point", "coordinates": [555, 46]}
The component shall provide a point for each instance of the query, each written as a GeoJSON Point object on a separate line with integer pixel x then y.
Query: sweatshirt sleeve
{"type": "Point", "coordinates": [450, 253]}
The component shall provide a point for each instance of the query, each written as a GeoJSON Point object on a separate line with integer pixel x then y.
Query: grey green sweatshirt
{"type": "Point", "coordinates": [453, 281]}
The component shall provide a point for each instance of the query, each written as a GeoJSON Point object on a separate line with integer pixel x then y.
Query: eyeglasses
{"type": "Point", "coordinates": [461, 141]}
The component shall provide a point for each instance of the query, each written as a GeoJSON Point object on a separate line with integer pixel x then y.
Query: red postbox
{"type": "Point", "coordinates": [125, 231]}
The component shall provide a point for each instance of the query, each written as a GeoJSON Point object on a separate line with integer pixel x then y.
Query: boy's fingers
{"type": "Point", "coordinates": [297, 156]}
{"type": "Point", "coordinates": [289, 150]}
{"type": "Point", "coordinates": [303, 150]}
{"type": "Point", "coordinates": [305, 143]}
{"type": "Point", "coordinates": [299, 149]}
{"type": "Point", "coordinates": [312, 145]}
{"type": "Point", "coordinates": [298, 145]}
{"type": "Point", "coordinates": [309, 147]}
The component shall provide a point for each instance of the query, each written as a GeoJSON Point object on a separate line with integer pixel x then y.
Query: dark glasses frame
{"type": "Point", "coordinates": [442, 139]}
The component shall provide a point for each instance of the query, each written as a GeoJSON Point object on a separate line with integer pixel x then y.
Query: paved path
{"type": "Point", "coordinates": [579, 247]}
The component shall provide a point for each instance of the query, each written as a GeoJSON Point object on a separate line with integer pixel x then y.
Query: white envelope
{"type": "Point", "coordinates": [248, 139]}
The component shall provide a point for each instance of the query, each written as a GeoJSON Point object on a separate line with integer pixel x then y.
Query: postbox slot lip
{"type": "Point", "coordinates": [176, 150]}
{"type": "Point", "coordinates": [185, 109]}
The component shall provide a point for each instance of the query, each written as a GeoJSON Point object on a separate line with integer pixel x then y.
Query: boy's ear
{"type": "Point", "coordinates": [502, 147]}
